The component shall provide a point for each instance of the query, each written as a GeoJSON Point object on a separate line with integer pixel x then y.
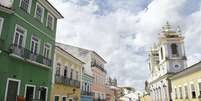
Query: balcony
{"type": "Point", "coordinates": [28, 55]}
{"type": "Point", "coordinates": [86, 93]}
{"type": "Point", "coordinates": [67, 81]}
{"type": "Point", "coordinates": [94, 64]}
{"type": "Point", "coordinates": [6, 3]}
{"type": "Point", "coordinates": [99, 100]}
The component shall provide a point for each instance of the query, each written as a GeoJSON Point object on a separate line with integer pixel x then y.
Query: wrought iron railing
{"type": "Point", "coordinates": [94, 64]}
{"type": "Point", "coordinates": [27, 54]}
{"type": "Point", "coordinates": [99, 99]}
{"type": "Point", "coordinates": [67, 81]}
{"type": "Point", "coordinates": [86, 93]}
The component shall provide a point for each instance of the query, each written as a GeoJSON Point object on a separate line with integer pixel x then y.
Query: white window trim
{"type": "Point", "coordinates": [42, 18]}
{"type": "Point", "coordinates": [29, 8]}
{"type": "Point", "coordinates": [199, 80]}
{"type": "Point", "coordinates": [46, 93]}
{"type": "Point", "coordinates": [28, 85]}
{"type": "Point", "coordinates": [18, 91]}
{"type": "Point", "coordinates": [1, 24]}
{"type": "Point", "coordinates": [48, 14]}
{"type": "Point", "coordinates": [38, 51]}
{"type": "Point", "coordinates": [25, 34]}
{"type": "Point", "coordinates": [50, 53]}
{"type": "Point", "coordinates": [192, 83]}
{"type": "Point", "coordinates": [198, 86]}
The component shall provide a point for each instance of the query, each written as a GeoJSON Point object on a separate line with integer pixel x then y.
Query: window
{"type": "Point", "coordinates": [58, 69]}
{"type": "Point", "coordinates": [174, 49]}
{"type": "Point", "coordinates": [50, 21]}
{"type": "Point", "coordinates": [26, 5]}
{"type": "Point", "coordinates": [43, 94]}
{"type": "Point", "coordinates": [71, 74]}
{"type": "Point", "coordinates": [180, 92]}
{"type": "Point", "coordinates": [175, 90]}
{"type": "Point", "coordinates": [56, 98]}
{"type": "Point", "coordinates": [1, 24]}
{"type": "Point", "coordinates": [64, 99]}
{"type": "Point", "coordinates": [186, 91]}
{"type": "Point", "coordinates": [65, 71]}
{"type": "Point", "coordinates": [19, 37]}
{"type": "Point", "coordinates": [199, 84]}
{"type": "Point", "coordinates": [39, 12]}
{"type": "Point", "coordinates": [161, 53]}
{"type": "Point", "coordinates": [77, 75]}
{"type": "Point", "coordinates": [34, 45]}
{"type": "Point", "coordinates": [12, 89]}
{"type": "Point", "coordinates": [29, 92]}
{"type": "Point", "coordinates": [193, 93]}
{"type": "Point", "coordinates": [47, 50]}
{"type": "Point", "coordinates": [88, 90]}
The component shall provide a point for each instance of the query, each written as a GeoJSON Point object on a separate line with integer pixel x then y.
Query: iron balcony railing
{"type": "Point", "coordinates": [99, 100]}
{"type": "Point", "coordinates": [67, 81]}
{"type": "Point", "coordinates": [94, 64]}
{"type": "Point", "coordinates": [27, 54]}
{"type": "Point", "coordinates": [87, 93]}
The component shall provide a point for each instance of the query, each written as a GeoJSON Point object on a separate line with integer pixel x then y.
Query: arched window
{"type": "Point", "coordinates": [58, 69]}
{"type": "Point", "coordinates": [174, 49]}
{"type": "Point", "coordinates": [161, 53]}
{"type": "Point", "coordinates": [71, 74]}
{"type": "Point", "coordinates": [65, 71]}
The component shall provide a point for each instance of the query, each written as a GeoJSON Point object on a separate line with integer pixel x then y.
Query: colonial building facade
{"type": "Point", "coordinates": [186, 85]}
{"type": "Point", "coordinates": [99, 74]}
{"type": "Point", "coordinates": [27, 38]}
{"type": "Point", "coordinates": [66, 76]}
{"type": "Point", "coordinates": [87, 77]}
{"type": "Point", "coordinates": [166, 58]}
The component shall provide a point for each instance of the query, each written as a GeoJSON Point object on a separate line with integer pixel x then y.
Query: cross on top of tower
{"type": "Point", "coordinates": [169, 32]}
{"type": "Point", "coordinates": [167, 27]}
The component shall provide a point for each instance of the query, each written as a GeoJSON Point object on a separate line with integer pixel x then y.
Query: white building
{"type": "Point", "coordinates": [166, 58]}
{"type": "Point", "coordinates": [130, 95]}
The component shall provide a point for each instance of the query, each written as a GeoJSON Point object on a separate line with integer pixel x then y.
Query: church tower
{"type": "Point", "coordinates": [166, 58]}
{"type": "Point", "coordinates": [172, 57]}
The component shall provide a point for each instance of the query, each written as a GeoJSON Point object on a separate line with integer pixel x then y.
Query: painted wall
{"type": "Point", "coordinates": [188, 79]}
{"type": "Point", "coordinates": [20, 69]}
{"type": "Point", "coordinates": [145, 98]}
{"type": "Point", "coordinates": [64, 91]}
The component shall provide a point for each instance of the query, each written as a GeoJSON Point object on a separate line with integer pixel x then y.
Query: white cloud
{"type": "Point", "coordinates": [122, 37]}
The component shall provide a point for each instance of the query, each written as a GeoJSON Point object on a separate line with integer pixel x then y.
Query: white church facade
{"type": "Point", "coordinates": [166, 58]}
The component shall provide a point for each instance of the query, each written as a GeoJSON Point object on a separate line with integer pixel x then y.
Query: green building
{"type": "Point", "coordinates": [27, 39]}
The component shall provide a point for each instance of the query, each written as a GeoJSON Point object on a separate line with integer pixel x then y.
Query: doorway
{"type": "Point", "coordinates": [29, 92]}
{"type": "Point", "coordinates": [43, 94]}
{"type": "Point", "coordinates": [12, 89]}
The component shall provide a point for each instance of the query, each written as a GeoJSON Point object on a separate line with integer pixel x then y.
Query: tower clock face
{"type": "Point", "coordinates": [177, 66]}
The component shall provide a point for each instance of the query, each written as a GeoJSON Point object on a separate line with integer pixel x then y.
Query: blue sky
{"type": "Point", "coordinates": [122, 31]}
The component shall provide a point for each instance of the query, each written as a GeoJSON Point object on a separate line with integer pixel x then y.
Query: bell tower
{"type": "Point", "coordinates": [172, 57]}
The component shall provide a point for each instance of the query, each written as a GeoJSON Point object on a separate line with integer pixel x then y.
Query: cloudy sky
{"type": "Point", "coordinates": [122, 31]}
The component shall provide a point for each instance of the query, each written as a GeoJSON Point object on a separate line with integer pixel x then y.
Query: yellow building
{"type": "Point", "coordinates": [145, 98]}
{"type": "Point", "coordinates": [186, 85]}
{"type": "Point", "coordinates": [66, 76]}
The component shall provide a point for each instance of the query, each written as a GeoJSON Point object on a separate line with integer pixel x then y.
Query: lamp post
{"type": "Point", "coordinates": [69, 94]}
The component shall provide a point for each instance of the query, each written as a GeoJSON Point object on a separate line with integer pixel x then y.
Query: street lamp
{"type": "Point", "coordinates": [69, 94]}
